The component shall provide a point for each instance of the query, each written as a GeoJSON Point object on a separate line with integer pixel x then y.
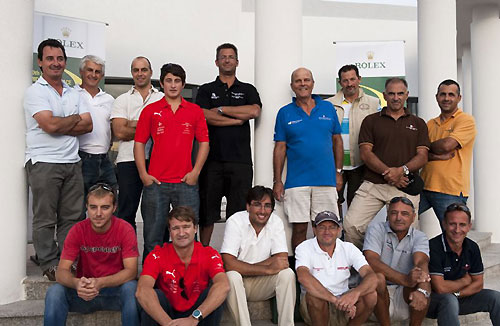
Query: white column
{"type": "Point", "coordinates": [16, 66]}
{"type": "Point", "coordinates": [485, 40]}
{"type": "Point", "coordinates": [437, 51]}
{"type": "Point", "coordinates": [437, 61]}
{"type": "Point", "coordinates": [278, 51]}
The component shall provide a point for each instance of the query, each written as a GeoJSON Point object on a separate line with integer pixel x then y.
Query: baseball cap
{"type": "Point", "coordinates": [327, 216]}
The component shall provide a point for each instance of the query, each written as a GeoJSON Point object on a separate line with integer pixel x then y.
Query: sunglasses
{"type": "Point", "coordinates": [183, 292]}
{"type": "Point", "coordinates": [457, 207]}
{"type": "Point", "coordinates": [101, 185]}
{"type": "Point", "coordinates": [404, 200]}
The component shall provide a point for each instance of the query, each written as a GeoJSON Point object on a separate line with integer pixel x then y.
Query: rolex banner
{"type": "Point", "coordinates": [79, 38]}
{"type": "Point", "coordinates": [375, 60]}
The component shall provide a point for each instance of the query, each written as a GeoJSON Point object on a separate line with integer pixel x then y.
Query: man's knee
{"type": "Point", "coordinates": [55, 294]}
{"type": "Point", "coordinates": [369, 300]}
{"type": "Point", "coordinates": [448, 302]}
{"type": "Point", "coordinates": [286, 276]}
{"type": "Point", "coordinates": [381, 284]}
{"type": "Point", "coordinates": [234, 278]}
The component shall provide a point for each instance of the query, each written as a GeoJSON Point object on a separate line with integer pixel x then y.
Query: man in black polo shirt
{"type": "Point", "coordinates": [228, 105]}
{"type": "Point", "coordinates": [393, 143]}
{"type": "Point", "coordinates": [457, 272]}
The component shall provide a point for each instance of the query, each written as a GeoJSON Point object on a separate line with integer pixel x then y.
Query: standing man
{"type": "Point", "coordinates": [393, 144]}
{"type": "Point", "coordinates": [447, 174]}
{"type": "Point", "coordinates": [191, 285]}
{"type": "Point", "coordinates": [124, 115]}
{"type": "Point", "coordinates": [171, 179]}
{"type": "Point", "coordinates": [307, 132]}
{"type": "Point", "coordinates": [352, 105]}
{"type": "Point", "coordinates": [323, 265]}
{"type": "Point", "coordinates": [457, 272]}
{"type": "Point", "coordinates": [255, 254]}
{"type": "Point", "coordinates": [228, 105]}
{"type": "Point", "coordinates": [53, 120]}
{"type": "Point", "coordinates": [399, 254]}
{"type": "Point", "coordinates": [94, 146]}
{"type": "Point", "coordinates": [105, 249]}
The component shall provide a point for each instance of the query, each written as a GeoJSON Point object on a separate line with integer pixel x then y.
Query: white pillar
{"type": "Point", "coordinates": [15, 62]}
{"type": "Point", "coordinates": [485, 40]}
{"type": "Point", "coordinates": [278, 51]}
{"type": "Point", "coordinates": [437, 61]}
{"type": "Point", "coordinates": [437, 51]}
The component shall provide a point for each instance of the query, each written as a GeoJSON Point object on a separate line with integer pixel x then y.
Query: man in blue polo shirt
{"type": "Point", "coordinates": [307, 132]}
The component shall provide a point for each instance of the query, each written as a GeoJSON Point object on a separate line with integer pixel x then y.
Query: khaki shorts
{"type": "Point", "coordinates": [302, 204]}
{"type": "Point", "coordinates": [337, 317]}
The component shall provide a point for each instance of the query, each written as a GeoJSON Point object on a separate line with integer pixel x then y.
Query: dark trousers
{"type": "Point", "coordinates": [130, 189]}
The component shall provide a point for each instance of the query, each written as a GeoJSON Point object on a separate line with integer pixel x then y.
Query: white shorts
{"type": "Point", "coordinates": [302, 204]}
{"type": "Point", "coordinates": [398, 308]}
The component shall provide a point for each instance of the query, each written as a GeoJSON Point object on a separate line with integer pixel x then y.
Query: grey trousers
{"type": "Point", "coordinates": [57, 205]}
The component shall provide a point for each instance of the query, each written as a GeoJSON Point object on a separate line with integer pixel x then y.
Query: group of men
{"type": "Point", "coordinates": [68, 137]}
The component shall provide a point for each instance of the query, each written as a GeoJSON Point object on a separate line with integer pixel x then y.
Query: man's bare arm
{"type": "Point", "coordinates": [241, 112]}
{"type": "Point", "coordinates": [440, 285]}
{"type": "Point", "coordinates": [56, 125]}
{"type": "Point", "coordinates": [216, 295]}
{"type": "Point", "coordinates": [215, 119]}
{"type": "Point", "coordinates": [83, 126]}
{"type": "Point", "coordinates": [192, 177]}
{"type": "Point", "coordinates": [146, 295]}
{"type": "Point", "coordinates": [271, 266]}
{"type": "Point", "coordinates": [419, 160]}
{"type": "Point", "coordinates": [371, 160]}
{"type": "Point", "coordinates": [279, 155]}
{"type": "Point", "coordinates": [379, 266]}
{"type": "Point", "coordinates": [123, 129]}
{"type": "Point", "coordinates": [475, 286]}
{"type": "Point", "coordinates": [128, 273]}
{"type": "Point", "coordinates": [313, 286]}
{"type": "Point", "coordinates": [444, 145]}
{"type": "Point", "coordinates": [140, 162]}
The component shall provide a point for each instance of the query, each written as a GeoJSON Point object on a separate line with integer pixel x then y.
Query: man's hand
{"type": "Point", "coordinates": [347, 301]}
{"type": "Point", "coordinates": [148, 180]}
{"type": "Point", "coordinates": [418, 301]}
{"type": "Point", "coordinates": [85, 289]}
{"type": "Point", "coordinates": [340, 181]}
{"type": "Point", "coordinates": [132, 123]}
{"type": "Point", "coordinates": [417, 275]}
{"type": "Point", "coordinates": [186, 321]}
{"type": "Point", "coordinates": [393, 175]}
{"type": "Point", "coordinates": [278, 190]}
{"type": "Point", "coordinates": [191, 178]}
{"type": "Point", "coordinates": [351, 313]}
{"type": "Point", "coordinates": [278, 263]}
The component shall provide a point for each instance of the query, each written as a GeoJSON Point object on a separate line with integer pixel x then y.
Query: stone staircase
{"type": "Point", "coordinates": [29, 311]}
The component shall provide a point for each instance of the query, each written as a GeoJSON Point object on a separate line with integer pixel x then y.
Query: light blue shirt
{"type": "Point", "coordinates": [41, 146]}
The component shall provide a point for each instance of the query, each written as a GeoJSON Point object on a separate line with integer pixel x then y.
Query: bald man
{"type": "Point", "coordinates": [307, 132]}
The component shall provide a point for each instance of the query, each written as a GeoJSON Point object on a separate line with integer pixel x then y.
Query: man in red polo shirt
{"type": "Point", "coordinates": [173, 123]}
{"type": "Point", "coordinates": [181, 271]}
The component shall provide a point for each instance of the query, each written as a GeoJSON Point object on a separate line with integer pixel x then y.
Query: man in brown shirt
{"type": "Point", "coordinates": [393, 143]}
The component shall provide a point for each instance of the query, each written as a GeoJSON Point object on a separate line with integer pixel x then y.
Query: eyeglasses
{"type": "Point", "coordinates": [404, 200]}
{"type": "Point", "coordinates": [228, 57]}
{"type": "Point", "coordinates": [102, 185]}
{"type": "Point", "coordinates": [266, 206]}
{"type": "Point", "coordinates": [183, 292]}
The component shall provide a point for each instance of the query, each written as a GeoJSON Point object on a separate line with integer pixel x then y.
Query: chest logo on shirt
{"type": "Point", "coordinates": [237, 96]}
{"type": "Point", "coordinates": [157, 113]}
{"type": "Point", "coordinates": [318, 269]}
{"type": "Point", "coordinates": [342, 268]}
{"type": "Point", "coordinates": [447, 269]}
{"type": "Point", "coordinates": [412, 127]}
{"type": "Point", "coordinates": [160, 129]}
{"type": "Point", "coordinates": [187, 128]}
{"type": "Point", "coordinates": [324, 117]}
{"type": "Point", "coordinates": [214, 256]}
{"type": "Point", "coordinates": [214, 96]}
{"type": "Point", "coordinates": [170, 273]}
{"type": "Point", "coordinates": [364, 106]}
{"type": "Point", "coordinates": [294, 122]}
{"type": "Point", "coordinates": [466, 267]}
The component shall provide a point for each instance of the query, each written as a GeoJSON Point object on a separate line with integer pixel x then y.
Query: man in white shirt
{"type": "Point", "coordinates": [255, 256]}
{"type": "Point", "coordinates": [323, 268]}
{"type": "Point", "coordinates": [94, 146]}
{"type": "Point", "coordinates": [124, 116]}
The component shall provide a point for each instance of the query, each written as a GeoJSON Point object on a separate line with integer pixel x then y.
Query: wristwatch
{"type": "Point", "coordinates": [219, 110]}
{"type": "Point", "coordinates": [406, 171]}
{"type": "Point", "coordinates": [339, 171]}
{"type": "Point", "coordinates": [197, 315]}
{"type": "Point", "coordinates": [424, 292]}
{"type": "Point", "coordinates": [457, 294]}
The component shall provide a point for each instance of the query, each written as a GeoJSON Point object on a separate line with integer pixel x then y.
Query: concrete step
{"type": "Point", "coordinates": [483, 239]}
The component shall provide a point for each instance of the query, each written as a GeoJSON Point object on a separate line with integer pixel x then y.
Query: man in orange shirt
{"type": "Point", "coordinates": [452, 133]}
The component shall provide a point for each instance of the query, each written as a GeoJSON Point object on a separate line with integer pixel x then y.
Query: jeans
{"type": "Point", "coordinates": [438, 201]}
{"type": "Point", "coordinates": [156, 201]}
{"type": "Point", "coordinates": [130, 189]}
{"type": "Point", "coordinates": [59, 300]}
{"type": "Point", "coordinates": [446, 307]}
{"type": "Point", "coordinates": [211, 320]}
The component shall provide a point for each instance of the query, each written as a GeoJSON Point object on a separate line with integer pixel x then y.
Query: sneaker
{"type": "Point", "coordinates": [50, 273]}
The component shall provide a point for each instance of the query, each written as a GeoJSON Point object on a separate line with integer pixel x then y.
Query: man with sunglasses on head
{"type": "Point", "coordinates": [399, 253]}
{"type": "Point", "coordinates": [255, 255]}
{"type": "Point", "coordinates": [228, 104]}
{"type": "Point", "coordinates": [183, 282]}
{"type": "Point", "coordinates": [105, 249]}
{"type": "Point", "coordinates": [457, 272]}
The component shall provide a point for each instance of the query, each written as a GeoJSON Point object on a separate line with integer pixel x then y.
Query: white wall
{"type": "Point", "coordinates": [188, 31]}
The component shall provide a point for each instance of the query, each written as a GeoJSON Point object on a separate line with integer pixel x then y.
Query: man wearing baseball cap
{"type": "Point", "coordinates": [323, 268]}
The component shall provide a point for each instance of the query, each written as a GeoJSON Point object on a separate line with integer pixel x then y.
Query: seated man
{"type": "Point", "coordinates": [399, 254]}
{"type": "Point", "coordinates": [457, 271]}
{"type": "Point", "coordinates": [255, 254]}
{"type": "Point", "coordinates": [323, 269]}
{"type": "Point", "coordinates": [105, 248]}
{"type": "Point", "coordinates": [182, 271]}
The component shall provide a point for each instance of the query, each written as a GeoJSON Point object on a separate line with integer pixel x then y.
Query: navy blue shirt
{"type": "Point", "coordinates": [447, 263]}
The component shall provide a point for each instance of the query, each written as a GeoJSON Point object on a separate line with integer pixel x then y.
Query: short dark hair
{"type": "Point", "coordinates": [347, 68]}
{"type": "Point", "coordinates": [141, 57]}
{"type": "Point", "coordinates": [101, 190]}
{"type": "Point", "coordinates": [226, 46]}
{"type": "Point", "coordinates": [258, 193]}
{"type": "Point", "coordinates": [173, 69]}
{"type": "Point", "coordinates": [396, 80]}
{"type": "Point", "coordinates": [53, 43]}
{"type": "Point", "coordinates": [182, 213]}
{"type": "Point", "coordinates": [461, 207]}
{"type": "Point", "coordinates": [449, 82]}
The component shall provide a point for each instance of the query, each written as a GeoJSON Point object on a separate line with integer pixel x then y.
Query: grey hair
{"type": "Point", "coordinates": [93, 58]}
